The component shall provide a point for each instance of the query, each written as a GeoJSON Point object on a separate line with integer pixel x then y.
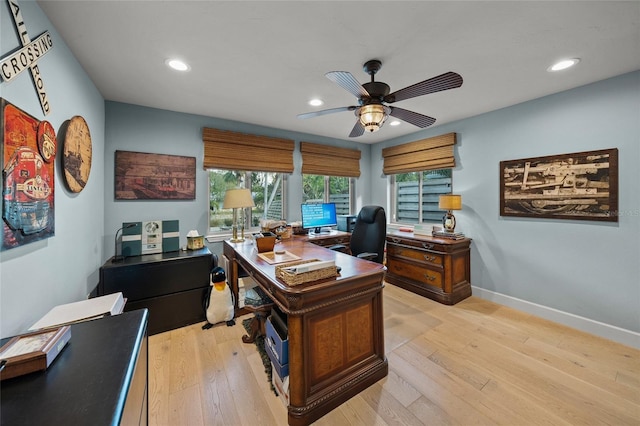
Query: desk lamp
{"type": "Point", "coordinates": [449, 202]}
{"type": "Point", "coordinates": [117, 258]}
{"type": "Point", "coordinates": [237, 199]}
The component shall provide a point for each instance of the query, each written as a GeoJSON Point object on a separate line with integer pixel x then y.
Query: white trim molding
{"type": "Point", "coordinates": [611, 332]}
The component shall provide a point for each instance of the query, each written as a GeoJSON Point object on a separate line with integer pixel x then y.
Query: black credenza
{"type": "Point", "coordinates": [171, 285]}
{"type": "Point", "coordinates": [99, 378]}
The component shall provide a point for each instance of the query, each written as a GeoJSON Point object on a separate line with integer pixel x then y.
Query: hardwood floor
{"type": "Point", "coordinates": [474, 363]}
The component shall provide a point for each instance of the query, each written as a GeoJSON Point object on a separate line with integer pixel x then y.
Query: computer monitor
{"type": "Point", "coordinates": [318, 215]}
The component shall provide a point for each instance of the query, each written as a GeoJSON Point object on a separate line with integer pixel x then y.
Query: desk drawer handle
{"type": "Point", "coordinates": [429, 277]}
{"type": "Point", "coordinates": [427, 246]}
{"type": "Point", "coordinates": [395, 240]}
{"type": "Point", "coordinates": [429, 258]}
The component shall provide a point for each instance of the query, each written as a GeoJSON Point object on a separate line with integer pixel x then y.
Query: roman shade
{"type": "Point", "coordinates": [228, 150]}
{"type": "Point", "coordinates": [426, 154]}
{"type": "Point", "coordinates": [328, 160]}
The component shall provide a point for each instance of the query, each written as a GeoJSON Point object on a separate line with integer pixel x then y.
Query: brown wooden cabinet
{"type": "Point", "coordinates": [436, 268]}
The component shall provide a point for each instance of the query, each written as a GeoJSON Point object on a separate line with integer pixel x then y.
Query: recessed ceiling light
{"type": "Point", "coordinates": [563, 64]}
{"type": "Point", "coordinates": [315, 102]}
{"type": "Point", "coordinates": [394, 123]}
{"type": "Point", "coordinates": [177, 64]}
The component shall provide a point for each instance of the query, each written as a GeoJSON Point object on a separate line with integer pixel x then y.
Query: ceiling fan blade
{"type": "Point", "coordinates": [411, 117]}
{"type": "Point", "coordinates": [357, 130]}
{"type": "Point", "coordinates": [325, 112]}
{"type": "Point", "coordinates": [348, 82]}
{"type": "Point", "coordinates": [446, 81]}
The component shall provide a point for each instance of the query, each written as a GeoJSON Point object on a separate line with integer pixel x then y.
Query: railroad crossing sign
{"type": "Point", "coordinates": [27, 57]}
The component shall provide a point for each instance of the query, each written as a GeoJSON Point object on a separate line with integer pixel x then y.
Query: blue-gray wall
{"type": "Point", "coordinates": [585, 274]}
{"type": "Point", "coordinates": [583, 268]}
{"type": "Point", "coordinates": [64, 268]}
{"type": "Point", "coordinates": [136, 128]}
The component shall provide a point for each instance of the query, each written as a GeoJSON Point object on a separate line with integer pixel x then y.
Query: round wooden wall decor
{"type": "Point", "coordinates": [76, 160]}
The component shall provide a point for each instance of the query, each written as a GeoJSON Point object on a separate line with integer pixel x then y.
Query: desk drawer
{"type": "Point", "coordinates": [419, 244]}
{"type": "Point", "coordinates": [328, 242]}
{"type": "Point", "coordinates": [142, 281]}
{"type": "Point", "coordinates": [417, 273]}
{"type": "Point", "coordinates": [422, 256]}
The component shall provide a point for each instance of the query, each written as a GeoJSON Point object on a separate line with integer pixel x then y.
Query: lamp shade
{"type": "Point", "coordinates": [372, 117]}
{"type": "Point", "coordinates": [450, 202]}
{"type": "Point", "coordinates": [237, 198]}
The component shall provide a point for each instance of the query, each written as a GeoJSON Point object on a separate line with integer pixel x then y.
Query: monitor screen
{"type": "Point", "coordinates": [318, 215]}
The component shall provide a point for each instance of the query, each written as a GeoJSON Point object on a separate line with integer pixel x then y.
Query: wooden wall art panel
{"type": "Point", "coordinates": [28, 153]}
{"type": "Point", "coordinates": [144, 176]}
{"type": "Point", "coordinates": [581, 185]}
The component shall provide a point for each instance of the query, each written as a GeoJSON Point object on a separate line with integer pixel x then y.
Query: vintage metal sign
{"type": "Point", "coordinates": [27, 57]}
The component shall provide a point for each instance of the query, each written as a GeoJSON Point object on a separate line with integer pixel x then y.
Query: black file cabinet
{"type": "Point", "coordinates": [170, 285]}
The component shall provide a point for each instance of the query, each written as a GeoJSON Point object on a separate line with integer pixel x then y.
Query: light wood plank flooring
{"type": "Point", "coordinates": [474, 363]}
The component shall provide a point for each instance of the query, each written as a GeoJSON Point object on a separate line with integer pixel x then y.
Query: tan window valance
{"type": "Point", "coordinates": [328, 160]}
{"type": "Point", "coordinates": [426, 154]}
{"type": "Point", "coordinates": [240, 151]}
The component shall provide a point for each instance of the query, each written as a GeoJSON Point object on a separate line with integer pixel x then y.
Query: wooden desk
{"type": "Point", "coordinates": [336, 333]}
{"type": "Point", "coordinates": [99, 378]}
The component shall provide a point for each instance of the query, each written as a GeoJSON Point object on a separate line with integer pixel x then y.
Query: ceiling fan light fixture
{"type": "Point", "coordinates": [372, 117]}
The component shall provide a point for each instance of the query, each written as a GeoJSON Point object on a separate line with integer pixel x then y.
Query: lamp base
{"type": "Point", "coordinates": [234, 237]}
{"type": "Point", "coordinates": [449, 222]}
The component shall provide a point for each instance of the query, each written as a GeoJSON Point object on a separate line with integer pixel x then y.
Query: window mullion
{"type": "Point", "coordinates": [326, 189]}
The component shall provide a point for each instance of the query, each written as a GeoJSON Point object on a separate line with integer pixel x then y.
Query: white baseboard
{"type": "Point", "coordinates": [617, 334]}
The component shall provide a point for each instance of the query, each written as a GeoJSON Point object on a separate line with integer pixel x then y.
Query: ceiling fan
{"type": "Point", "coordinates": [372, 110]}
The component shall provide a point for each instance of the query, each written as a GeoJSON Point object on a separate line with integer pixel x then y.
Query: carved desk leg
{"type": "Point", "coordinates": [257, 322]}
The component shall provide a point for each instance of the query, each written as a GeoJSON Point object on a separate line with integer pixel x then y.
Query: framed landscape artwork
{"type": "Point", "coordinates": [144, 176]}
{"type": "Point", "coordinates": [579, 186]}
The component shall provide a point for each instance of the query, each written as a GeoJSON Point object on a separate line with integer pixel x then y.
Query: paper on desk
{"type": "Point", "coordinates": [311, 266]}
{"type": "Point", "coordinates": [69, 313]}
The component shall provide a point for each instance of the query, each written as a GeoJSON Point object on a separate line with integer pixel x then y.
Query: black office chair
{"type": "Point", "coordinates": [368, 235]}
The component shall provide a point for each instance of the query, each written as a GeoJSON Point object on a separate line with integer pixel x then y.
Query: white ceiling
{"type": "Point", "coordinates": [260, 62]}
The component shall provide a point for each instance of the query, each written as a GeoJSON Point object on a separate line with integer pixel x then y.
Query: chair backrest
{"type": "Point", "coordinates": [369, 232]}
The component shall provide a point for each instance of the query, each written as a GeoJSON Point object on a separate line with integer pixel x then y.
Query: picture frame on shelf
{"type": "Point", "coordinates": [33, 351]}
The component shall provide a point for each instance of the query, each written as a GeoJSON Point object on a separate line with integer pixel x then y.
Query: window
{"type": "Point", "coordinates": [329, 189]}
{"type": "Point", "coordinates": [415, 195]}
{"type": "Point", "coordinates": [267, 189]}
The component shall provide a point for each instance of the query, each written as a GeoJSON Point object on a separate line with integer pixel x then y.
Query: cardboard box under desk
{"type": "Point", "coordinates": [282, 386]}
{"type": "Point", "coordinates": [281, 370]}
{"type": "Point", "coordinates": [279, 344]}
{"type": "Point", "coordinates": [277, 349]}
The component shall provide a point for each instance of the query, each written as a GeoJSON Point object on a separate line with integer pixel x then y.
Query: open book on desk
{"type": "Point", "coordinates": [84, 310]}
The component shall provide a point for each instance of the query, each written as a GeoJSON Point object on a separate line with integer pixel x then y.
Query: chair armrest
{"type": "Point", "coordinates": [339, 247]}
{"type": "Point", "coordinates": [367, 256]}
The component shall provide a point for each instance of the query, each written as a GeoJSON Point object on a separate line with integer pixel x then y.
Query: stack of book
{"type": "Point", "coordinates": [256, 297]}
{"type": "Point", "coordinates": [449, 235]}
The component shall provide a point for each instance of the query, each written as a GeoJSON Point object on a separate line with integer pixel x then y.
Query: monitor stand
{"type": "Point", "coordinates": [320, 230]}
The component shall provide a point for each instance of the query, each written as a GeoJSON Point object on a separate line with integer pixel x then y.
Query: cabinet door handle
{"type": "Point", "coordinates": [429, 277]}
{"type": "Point", "coordinates": [429, 258]}
{"type": "Point", "coordinates": [427, 246]}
